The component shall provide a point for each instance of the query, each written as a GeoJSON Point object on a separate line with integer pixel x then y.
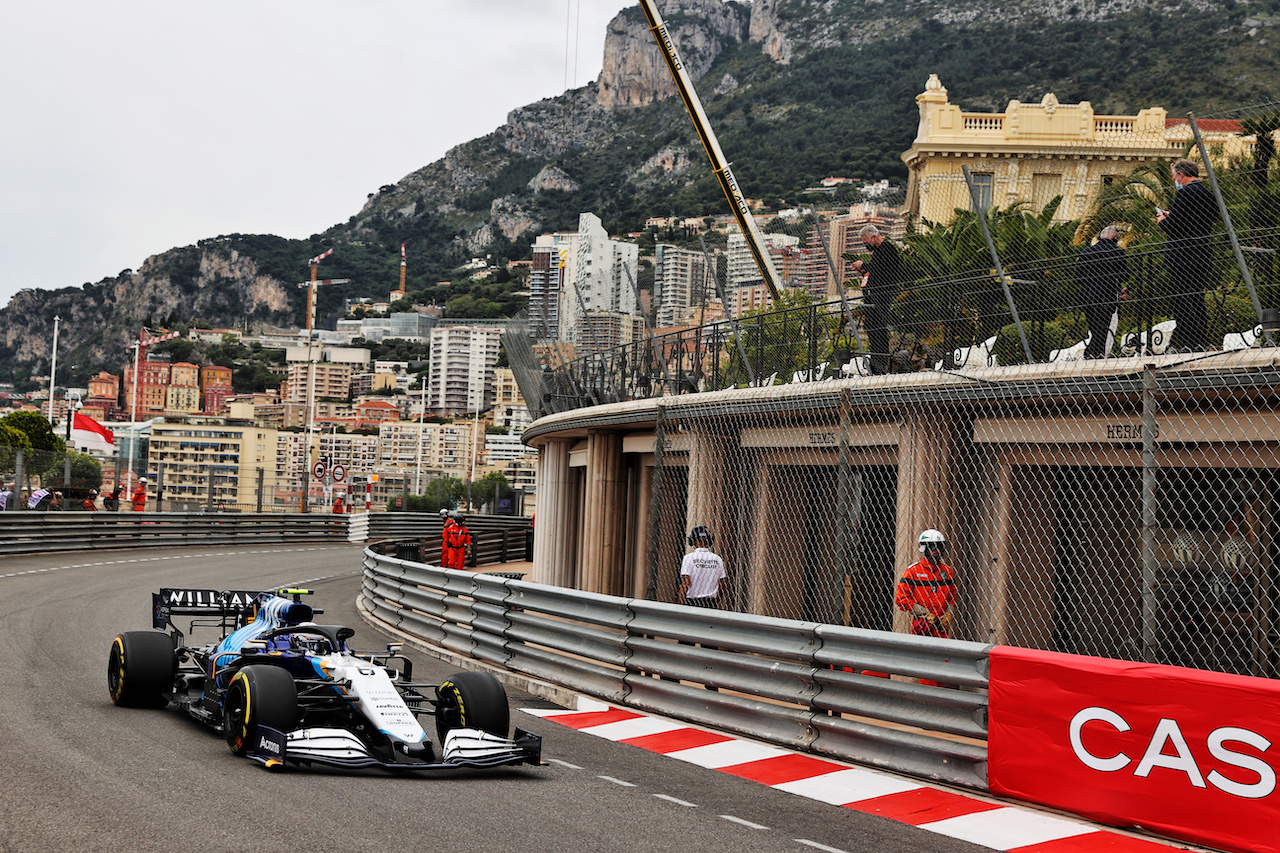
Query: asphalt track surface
{"type": "Point", "coordinates": [83, 775]}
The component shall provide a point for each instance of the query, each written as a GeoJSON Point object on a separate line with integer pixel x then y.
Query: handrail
{"type": "Point", "coordinates": [818, 688]}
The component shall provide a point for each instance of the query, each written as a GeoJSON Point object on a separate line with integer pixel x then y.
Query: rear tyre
{"type": "Point", "coordinates": [258, 696]}
{"type": "Point", "coordinates": [473, 700]}
{"type": "Point", "coordinates": [141, 669]}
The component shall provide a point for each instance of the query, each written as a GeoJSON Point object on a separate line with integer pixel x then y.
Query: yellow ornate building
{"type": "Point", "coordinates": [1033, 152]}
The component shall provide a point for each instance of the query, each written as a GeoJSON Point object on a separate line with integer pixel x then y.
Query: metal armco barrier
{"type": "Point", "coordinates": [494, 538]}
{"type": "Point", "coordinates": [29, 532]}
{"type": "Point", "coordinates": [818, 688]}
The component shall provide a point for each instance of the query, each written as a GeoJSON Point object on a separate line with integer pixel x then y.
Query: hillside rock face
{"type": "Point", "coordinates": [635, 73]}
{"type": "Point", "coordinates": [764, 31]}
{"type": "Point", "coordinates": [215, 283]}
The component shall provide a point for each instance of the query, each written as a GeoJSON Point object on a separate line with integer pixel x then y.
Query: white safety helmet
{"type": "Point", "coordinates": [444, 512]}
{"type": "Point", "coordinates": [932, 539]}
{"type": "Point", "coordinates": [142, 480]}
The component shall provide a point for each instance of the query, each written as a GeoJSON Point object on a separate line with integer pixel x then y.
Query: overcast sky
{"type": "Point", "coordinates": [133, 126]}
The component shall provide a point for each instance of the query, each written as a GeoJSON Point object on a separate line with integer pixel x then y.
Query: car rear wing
{"type": "Point", "coordinates": [222, 603]}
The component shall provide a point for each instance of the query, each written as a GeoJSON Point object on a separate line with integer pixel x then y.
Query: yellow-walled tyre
{"type": "Point", "coordinates": [473, 700]}
{"type": "Point", "coordinates": [258, 696]}
{"type": "Point", "coordinates": [141, 669]}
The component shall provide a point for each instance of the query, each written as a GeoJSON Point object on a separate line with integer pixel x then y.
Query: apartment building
{"type": "Point", "coordinates": [603, 279]}
{"type": "Point", "coordinates": [201, 460]}
{"type": "Point", "coordinates": [215, 387]}
{"type": "Point", "coordinates": [461, 369]}
{"type": "Point", "coordinates": [682, 280]}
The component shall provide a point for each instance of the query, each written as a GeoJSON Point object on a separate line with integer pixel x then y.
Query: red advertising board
{"type": "Point", "coordinates": [1183, 752]}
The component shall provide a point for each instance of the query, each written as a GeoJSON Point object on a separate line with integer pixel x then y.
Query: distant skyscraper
{"type": "Point", "coordinates": [462, 363]}
{"type": "Point", "coordinates": [545, 275]}
{"type": "Point", "coordinates": [681, 281]}
{"type": "Point", "coordinates": [603, 280]}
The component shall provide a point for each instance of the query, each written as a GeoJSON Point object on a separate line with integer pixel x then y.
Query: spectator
{"type": "Point", "coordinates": [1188, 255]}
{"type": "Point", "coordinates": [6, 497]}
{"type": "Point", "coordinates": [1101, 271]}
{"type": "Point", "coordinates": [884, 276]}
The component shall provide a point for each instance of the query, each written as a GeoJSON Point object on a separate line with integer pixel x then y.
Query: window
{"type": "Point", "coordinates": [1044, 187]}
{"type": "Point", "coordinates": [982, 186]}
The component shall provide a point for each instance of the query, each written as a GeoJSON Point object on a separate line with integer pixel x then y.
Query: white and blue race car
{"type": "Point", "coordinates": [285, 690]}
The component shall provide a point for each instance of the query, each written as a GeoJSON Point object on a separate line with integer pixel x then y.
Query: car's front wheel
{"type": "Point", "coordinates": [140, 669]}
{"type": "Point", "coordinates": [474, 700]}
{"type": "Point", "coordinates": [258, 696]}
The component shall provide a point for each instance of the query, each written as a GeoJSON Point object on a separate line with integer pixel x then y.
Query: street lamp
{"type": "Point", "coordinates": [72, 408]}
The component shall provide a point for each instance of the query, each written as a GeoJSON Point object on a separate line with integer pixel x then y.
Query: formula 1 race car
{"type": "Point", "coordinates": [285, 690]}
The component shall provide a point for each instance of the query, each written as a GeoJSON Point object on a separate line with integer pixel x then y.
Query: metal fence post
{"type": "Point", "coordinates": [655, 503]}
{"type": "Point", "coordinates": [1226, 221]}
{"type": "Point", "coordinates": [1149, 427]}
{"type": "Point", "coordinates": [18, 472]}
{"type": "Point", "coordinates": [995, 259]}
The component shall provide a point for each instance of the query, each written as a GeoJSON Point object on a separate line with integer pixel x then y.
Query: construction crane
{"type": "Point", "coordinates": [313, 284]}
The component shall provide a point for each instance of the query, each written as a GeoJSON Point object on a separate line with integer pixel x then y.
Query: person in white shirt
{"type": "Point", "coordinates": [701, 571]}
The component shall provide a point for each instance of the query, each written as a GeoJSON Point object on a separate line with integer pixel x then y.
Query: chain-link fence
{"type": "Point", "coordinates": [1128, 513]}
{"type": "Point", "coordinates": [1069, 370]}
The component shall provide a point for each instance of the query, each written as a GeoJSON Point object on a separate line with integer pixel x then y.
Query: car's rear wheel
{"type": "Point", "coordinates": [258, 696]}
{"type": "Point", "coordinates": [141, 668]}
{"type": "Point", "coordinates": [473, 700]}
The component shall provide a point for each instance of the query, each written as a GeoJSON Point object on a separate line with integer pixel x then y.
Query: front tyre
{"type": "Point", "coordinates": [141, 669]}
{"type": "Point", "coordinates": [473, 700]}
{"type": "Point", "coordinates": [258, 696]}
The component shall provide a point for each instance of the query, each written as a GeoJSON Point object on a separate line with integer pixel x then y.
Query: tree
{"type": "Point", "coordinates": [778, 339]}
{"type": "Point", "coordinates": [489, 488]}
{"type": "Point", "coordinates": [442, 492]}
{"type": "Point", "coordinates": [86, 474]}
{"type": "Point", "coordinates": [12, 440]}
{"type": "Point", "coordinates": [38, 430]}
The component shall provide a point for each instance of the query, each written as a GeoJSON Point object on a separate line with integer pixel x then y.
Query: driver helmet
{"type": "Point", "coordinates": [932, 541]}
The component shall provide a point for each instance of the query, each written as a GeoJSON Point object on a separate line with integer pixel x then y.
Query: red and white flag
{"type": "Point", "coordinates": [88, 434]}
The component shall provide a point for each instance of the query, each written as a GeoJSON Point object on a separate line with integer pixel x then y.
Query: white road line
{"type": "Point", "coordinates": [815, 844]}
{"type": "Point", "coordinates": [742, 822]}
{"type": "Point", "coordinates": [617, 781]}
{"type": "Point", "coordinates": [678, 802]}
{"type": "Point", "coordinates": [563, 763]}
